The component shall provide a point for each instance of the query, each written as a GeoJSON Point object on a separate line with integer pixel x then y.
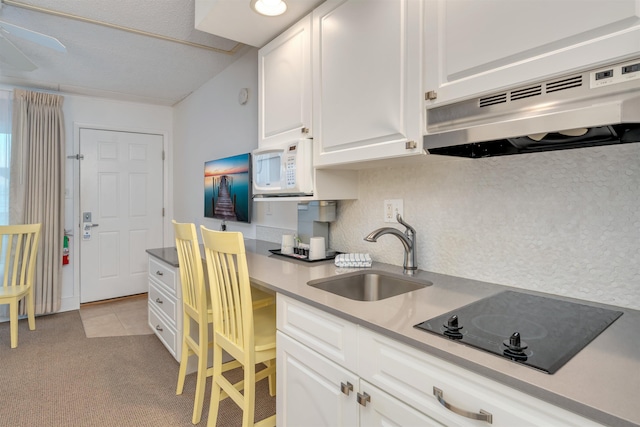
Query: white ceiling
{"type": "Point", "coordinates": [115, 63]}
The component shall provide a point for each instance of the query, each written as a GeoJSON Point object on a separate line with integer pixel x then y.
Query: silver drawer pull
{"type": "Point", "coordinates": [363, 399]}
{"type": "Point", "coordinates": [159, 329]}
{"type": "Point", "coordinates": [159, 301]}
{"type": "Point", "coordinates": [482, 416]}
{"type": "Point", "coordinates": [346, 388]}
{"type": "Point", "coordinates": [159, 273]}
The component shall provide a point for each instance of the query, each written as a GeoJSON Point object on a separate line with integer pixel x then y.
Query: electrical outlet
{"type": "Point", "coordinates": [391, 209]}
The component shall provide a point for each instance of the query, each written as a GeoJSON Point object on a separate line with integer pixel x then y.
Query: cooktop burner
{"type": "Point", "coordinates": [540, 332]}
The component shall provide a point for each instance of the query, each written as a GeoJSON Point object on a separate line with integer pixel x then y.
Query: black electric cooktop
{"type": "Point", "coordinates": [540, 332]}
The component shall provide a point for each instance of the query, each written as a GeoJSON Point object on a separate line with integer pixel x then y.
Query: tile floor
{"type": "Point", "coordinates": [125, 316]}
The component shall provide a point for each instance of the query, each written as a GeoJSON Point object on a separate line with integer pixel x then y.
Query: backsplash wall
{"type": "Point", "coordinates": [564, 222]}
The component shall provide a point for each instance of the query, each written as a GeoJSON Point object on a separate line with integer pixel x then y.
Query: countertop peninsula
{"type": "Point", "coordinates": [601, 382]}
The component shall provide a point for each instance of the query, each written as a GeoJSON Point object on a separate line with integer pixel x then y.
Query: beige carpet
{"type": "Point", "coordinates": [58, 377]}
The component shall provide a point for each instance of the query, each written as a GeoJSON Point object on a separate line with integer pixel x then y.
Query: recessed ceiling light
{"type": "Point", "coordinates": [269, 7]}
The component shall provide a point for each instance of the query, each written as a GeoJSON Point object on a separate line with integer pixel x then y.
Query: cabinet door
{"type": "Point", "coordinates": [309, 388]}
{"type": "Point", "coordinates": [473, 47]}
{"type": "Point", "coordinates": [284, 86]}
{"type": "Point", "coordinates": [383, 410]}
{"type": "Point", "coordinates": [366, 80]}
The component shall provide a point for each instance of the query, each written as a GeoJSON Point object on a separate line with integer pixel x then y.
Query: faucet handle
{"type": "Point", "coordinates": [401, 221]}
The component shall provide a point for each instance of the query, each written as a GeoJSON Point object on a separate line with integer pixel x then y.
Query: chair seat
{"type": "Point", "coordinates": [13, 291]}
{"type": "Point", "coordinates": [261, 298]}
{"type": "Point", "coordinates": [264, 324]}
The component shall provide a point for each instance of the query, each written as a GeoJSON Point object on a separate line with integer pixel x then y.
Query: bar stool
{"type": "Point", "coordinates": [247, 335]}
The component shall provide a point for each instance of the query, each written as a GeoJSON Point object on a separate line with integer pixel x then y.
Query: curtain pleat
{"type": "Point", "coordinates": [37, 185]}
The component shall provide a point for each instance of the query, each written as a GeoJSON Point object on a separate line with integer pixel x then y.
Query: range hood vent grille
{"type": "Point", "coordinates": [528, 92]}
{"type": "Point", "coordinates": [493, 100]}
{"type": "Point", "coordinates": [564, 84]}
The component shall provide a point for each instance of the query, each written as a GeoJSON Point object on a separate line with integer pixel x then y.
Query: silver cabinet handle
{"type": "Point", "coordinates": [363, 398]}
{"type": "Point", "coordinates": [346, 388]}
{"type": "Point", "coordinates": [159, 301]}
{"type": "Point", "coordinates": [158, 328]}
{"type": "Point", "coordinates": [481, 416]}
{"type": "Point", "coordinates": [159, 273]}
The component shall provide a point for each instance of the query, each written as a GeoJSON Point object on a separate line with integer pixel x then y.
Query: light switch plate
{"type": "Point", "coordinates": [392, 207]}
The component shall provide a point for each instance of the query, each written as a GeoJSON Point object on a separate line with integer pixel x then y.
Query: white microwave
{"type": "Point", "coordinates": [283, 170]}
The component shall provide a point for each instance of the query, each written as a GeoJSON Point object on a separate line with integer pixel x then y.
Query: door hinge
{"type": "Point", "coordinates": [431, 95]}
{"type": "Point", "coordinates": [76, 156]}
{"type": "Point", "coordinates": [162, 211]}
{"type": "Point", "coordinates": [162, 154]}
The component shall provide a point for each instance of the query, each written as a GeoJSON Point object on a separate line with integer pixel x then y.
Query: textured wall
{"type": "Point", "coordinates": [564, 222]}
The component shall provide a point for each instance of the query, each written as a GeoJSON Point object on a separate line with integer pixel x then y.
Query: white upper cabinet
{"type": "Point", "coordinates": [367, 96]}
{"type": "Point", "coordinates": [284, 86]}
{"type": "Point", "coordinates": [475, 47]}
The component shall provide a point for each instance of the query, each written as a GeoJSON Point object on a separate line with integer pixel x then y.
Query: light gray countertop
{"type": "Point", "coordinates": [601, 382]}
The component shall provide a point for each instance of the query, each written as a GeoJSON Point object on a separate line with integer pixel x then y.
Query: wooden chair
{"type": "Point", "coordinates": [246, 334]}
{"type": "Point", "coordinates": [197, 309]}
{"type": "Point", "coordinates": [18, 254]}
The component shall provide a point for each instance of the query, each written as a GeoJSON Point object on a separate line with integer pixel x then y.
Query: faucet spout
{"type": "Point", "coordinates": [408, 239]}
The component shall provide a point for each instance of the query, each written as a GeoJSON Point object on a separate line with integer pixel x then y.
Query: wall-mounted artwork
{"type": "Point", "coordinates": [227, 188]}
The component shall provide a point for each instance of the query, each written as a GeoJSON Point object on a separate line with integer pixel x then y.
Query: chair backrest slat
{"type": "Point", "coordinates": [19, 246]}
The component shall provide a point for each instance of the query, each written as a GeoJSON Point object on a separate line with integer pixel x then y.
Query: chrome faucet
{"type": "Point", "coordinates": [408, 239]}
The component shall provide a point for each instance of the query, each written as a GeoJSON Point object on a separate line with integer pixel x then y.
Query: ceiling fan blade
{"type": "Point", "coordinates": [33, 36]}
{"type": "Point", "coordinates": [14, 57]}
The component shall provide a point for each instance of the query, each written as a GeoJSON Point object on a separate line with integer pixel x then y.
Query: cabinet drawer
{"type": "Point", "coordinates": [411, 375]}
{"type": "Point", "coordinates": [162, 302]}
{"type": "Point", "coordinates": [163, 330]}
{"type": "Point", "coordinates": [325, 333]}
{"type": "Point", "coordinates": [163, 273]}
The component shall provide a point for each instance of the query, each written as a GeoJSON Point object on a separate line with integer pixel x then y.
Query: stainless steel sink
{"type": "Point", "coordinates": [368, 285]}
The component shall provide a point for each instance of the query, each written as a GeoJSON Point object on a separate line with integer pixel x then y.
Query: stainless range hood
{"type": "Point", "coordinates": [596, 107]}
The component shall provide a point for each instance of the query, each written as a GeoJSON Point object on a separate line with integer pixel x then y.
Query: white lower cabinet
{"type": "Point", "coordinates": [165, 304]}
{"type": "Point", "coordinates": [357, 377]}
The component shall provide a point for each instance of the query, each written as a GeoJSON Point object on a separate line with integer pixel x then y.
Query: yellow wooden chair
{"type": "Point", "coordinates": [18, 254]}
{"type": "Point", "coordinates": [246, 334]}
{"type": "Point", "coordinates": [197, 308]}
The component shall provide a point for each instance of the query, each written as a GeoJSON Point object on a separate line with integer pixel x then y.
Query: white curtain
{"type": "Point", "coordinates": [37, 185]}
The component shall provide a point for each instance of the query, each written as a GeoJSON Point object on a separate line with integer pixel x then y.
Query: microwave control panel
{"type": "Point", "coordinates": [291, 169]}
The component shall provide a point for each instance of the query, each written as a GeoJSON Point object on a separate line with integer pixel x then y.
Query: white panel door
{"type": "Point", "coordinates": [121, 185]}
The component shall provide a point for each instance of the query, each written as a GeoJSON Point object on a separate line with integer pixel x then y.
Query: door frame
{"type": "Point", "coordinates": [72, 222]}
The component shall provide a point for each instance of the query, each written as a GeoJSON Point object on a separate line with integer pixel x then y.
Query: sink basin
{"type": "Point", "coordinates": [368, 285]}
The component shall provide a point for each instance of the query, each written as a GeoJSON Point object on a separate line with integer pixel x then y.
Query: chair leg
{"type": "Point", "coordinates": [201, 380]}
{"type": "Point", "coordinates": [248, 412]}
{"type": "Point", "coordinates": [215, 387]}
{"type": "Point", "coordinates": [184, 358]}
{"type": "Point", "coordinates": [31, 310]}
{"type": "Point", "coordinates": [272, 378]}
{"type": "Point", "coordinates": [13, 320]}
